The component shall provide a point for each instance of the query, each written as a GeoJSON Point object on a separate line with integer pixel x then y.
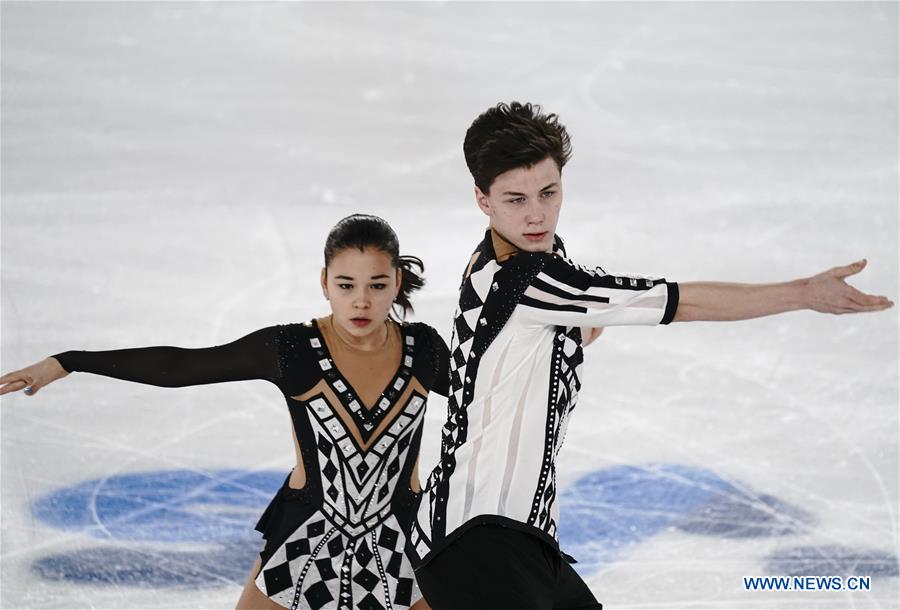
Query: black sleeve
{"type": "Point", "coordinates": [254, 356]}
{"type": "Point", "coordinates": [440, 357]}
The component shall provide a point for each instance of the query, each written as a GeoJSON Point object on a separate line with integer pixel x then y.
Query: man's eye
{"type": "Point", "coordinates": [548, 194]}
{"type": "Point", "coordinates": [517, 200]}
{"type": "Point", "coordinates": [379, 286]}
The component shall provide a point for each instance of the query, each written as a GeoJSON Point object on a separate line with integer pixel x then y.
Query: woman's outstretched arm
{"type": "Point", "coordinates": [251, 357]}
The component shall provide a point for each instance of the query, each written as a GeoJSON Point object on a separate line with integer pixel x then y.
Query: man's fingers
{"type": "Point", "coordinates": [860, 303]}
{"type": "Point", "coordinates": [878, 306]}
{"type": "Point", "coordinates": [851, 269]}
{"type": "Point", "coordinates": [862, 299]}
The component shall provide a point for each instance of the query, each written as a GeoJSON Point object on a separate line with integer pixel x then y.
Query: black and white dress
{"type": "Point", "coordinates": [338, 542]}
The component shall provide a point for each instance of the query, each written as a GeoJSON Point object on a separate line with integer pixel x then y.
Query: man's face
{"type": "Point", "coordinates": [523, 205]}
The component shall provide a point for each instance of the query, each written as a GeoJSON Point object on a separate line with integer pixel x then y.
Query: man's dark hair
{"type": "Point", "coordinates": [513, 135]}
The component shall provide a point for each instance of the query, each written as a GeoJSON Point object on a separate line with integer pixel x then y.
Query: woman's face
{"type": "Point", "coordinates": [361, 287]}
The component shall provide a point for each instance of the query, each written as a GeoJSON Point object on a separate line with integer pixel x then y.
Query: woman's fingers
{"type": "Point", "coordinates": [15, 381]}
{"type": "Point", "coordinates": [13, 386]}
{"type": "Point", "coordinates": [32, 378]}
{"type": "Point", "coordinates": [13, 376]}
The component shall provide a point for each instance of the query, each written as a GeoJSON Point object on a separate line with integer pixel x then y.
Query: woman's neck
{"type": "Point", "coordinates": [371, 342]}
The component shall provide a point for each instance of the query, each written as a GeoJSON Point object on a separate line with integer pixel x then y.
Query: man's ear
{"type": "Point", "coordinates": [483, 203]}
{"type": "Point", "coordinates": [323, 280]}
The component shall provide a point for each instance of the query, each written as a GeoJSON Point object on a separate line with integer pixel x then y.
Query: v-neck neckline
{"type": "Point", "coordinates": [367, 418]}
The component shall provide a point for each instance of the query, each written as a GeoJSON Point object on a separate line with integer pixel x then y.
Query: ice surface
{"type": "Point", "coordinates": [169, 172]}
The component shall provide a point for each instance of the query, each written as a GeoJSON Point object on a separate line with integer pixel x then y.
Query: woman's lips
{"type": "Point", "coordinates": [360, 322]}
{"type": "Point", "coordinates": [535, 236]}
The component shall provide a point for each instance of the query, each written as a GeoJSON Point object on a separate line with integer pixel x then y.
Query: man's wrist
{"type": "Point", "coordinates": [801, 294]}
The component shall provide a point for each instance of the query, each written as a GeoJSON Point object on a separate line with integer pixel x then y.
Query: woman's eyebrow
{"type": "Point", "coordinates": [374, 277]}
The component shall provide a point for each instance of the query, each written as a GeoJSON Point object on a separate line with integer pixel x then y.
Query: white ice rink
{"type": "Point", "coordinates": [170, 171]}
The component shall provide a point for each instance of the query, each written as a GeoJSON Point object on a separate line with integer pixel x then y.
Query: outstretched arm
{"type": "Point", "coordinates": [827, 292]}
{"type": "Point", "coordinates": [251, 357]}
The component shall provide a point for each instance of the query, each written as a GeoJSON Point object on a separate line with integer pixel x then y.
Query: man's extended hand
{"type": "Point", "coordinates": [828, 292]}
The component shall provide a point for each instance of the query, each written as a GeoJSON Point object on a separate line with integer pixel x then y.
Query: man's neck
{"type": "Point", "coordinates": [503, 248]}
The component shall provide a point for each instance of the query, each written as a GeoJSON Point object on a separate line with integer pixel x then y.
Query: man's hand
{"type": "Point", "coordinates": [828, 292]}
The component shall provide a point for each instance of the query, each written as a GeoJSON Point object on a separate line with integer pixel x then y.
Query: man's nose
{"type": "Point", "coordinates": [533, 212]}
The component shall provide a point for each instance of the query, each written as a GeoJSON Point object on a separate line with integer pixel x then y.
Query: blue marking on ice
{"type": "Point", "coordinates": [135, 566]}
{"type": "Point", "coordinates": [163, 506]}
{"type": "Point", "coordinates": [607, 511]}
{"type": "Point", "coordinates": [831, 560]}
{"type": "Point", "coordinates": [216, 509]}
{"type": "Point", "coordinates": [603, 514]}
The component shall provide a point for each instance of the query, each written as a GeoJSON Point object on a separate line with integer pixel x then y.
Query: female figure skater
{"type": "Point", "coordinates": [355, 383]}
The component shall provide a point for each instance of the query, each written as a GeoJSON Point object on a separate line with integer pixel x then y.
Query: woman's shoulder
{"type": "Point", "coordinates": [424, 334]}
{"type": "Point", "coordinates": [299, 349]}
{"type": "Point", "coordinates": [297, 330]}
{"type": "Point", "coordinates": [296, 339]}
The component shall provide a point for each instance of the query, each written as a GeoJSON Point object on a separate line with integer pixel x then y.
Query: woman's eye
{"type": "Point", "coordinates": [379, 286]}
{"type": "Point", "coordinates": [345, 286]}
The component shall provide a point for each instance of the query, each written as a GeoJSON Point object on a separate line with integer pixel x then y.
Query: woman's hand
{"type": "Point", "coordinates": [32, 378]}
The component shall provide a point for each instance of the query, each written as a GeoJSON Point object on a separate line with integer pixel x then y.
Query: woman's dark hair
{"type": "Point", "coordinates": [363, 231]}
{"type": "Point", "coordinates": [508, 136]}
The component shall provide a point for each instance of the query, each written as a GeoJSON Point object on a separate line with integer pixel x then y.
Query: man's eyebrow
{"type": "Point", "coordinates": [515, 194]}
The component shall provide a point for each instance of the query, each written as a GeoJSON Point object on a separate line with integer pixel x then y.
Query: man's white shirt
{"type": "Point", "coordinates": [515, 361]}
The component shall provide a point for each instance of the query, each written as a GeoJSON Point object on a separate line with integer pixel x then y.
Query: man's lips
{"type": "Point", "coordinates": [535, 236]}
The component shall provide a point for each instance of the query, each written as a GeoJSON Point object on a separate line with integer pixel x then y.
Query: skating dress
{"type": "Point", "coordinates": [337, 542]}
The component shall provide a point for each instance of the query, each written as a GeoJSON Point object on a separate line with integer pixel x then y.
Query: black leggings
{"type": "Point", "coordinates": [491, 567]}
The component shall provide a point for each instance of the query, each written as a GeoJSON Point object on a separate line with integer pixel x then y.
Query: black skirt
{"type": "Point", "coordinates": [285, 513]}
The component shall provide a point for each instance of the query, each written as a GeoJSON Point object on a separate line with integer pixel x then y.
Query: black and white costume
{"type": "Point", "coordinates": [514, 380]}
{"type": "Point", "coordinates": [338, 542]}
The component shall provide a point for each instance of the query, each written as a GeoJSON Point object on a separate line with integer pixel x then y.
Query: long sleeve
{"type": "Point", "coordinates": [567, 294]}
{"type": "Point", "coordinates": [254, 356]}
{"type": "Point", "coordinates": [442, 365]}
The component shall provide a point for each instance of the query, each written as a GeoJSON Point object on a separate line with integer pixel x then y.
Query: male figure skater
{"type": "Point", "coordinates": [485, 533]}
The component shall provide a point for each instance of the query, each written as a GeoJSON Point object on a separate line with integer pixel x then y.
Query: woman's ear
{"type": "Point", "coordinates": [323, 280]}
{"type": "Point", "coordinates": [399, 282]}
